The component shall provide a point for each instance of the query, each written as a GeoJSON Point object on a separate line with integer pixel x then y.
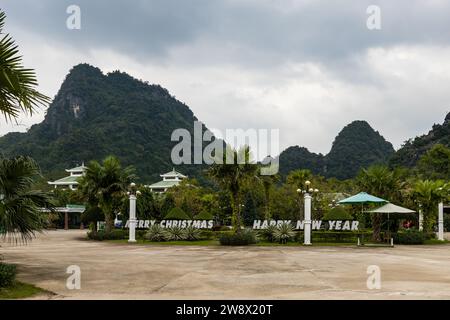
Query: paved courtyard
{"type": "Point", "coordinates": [121, 271]}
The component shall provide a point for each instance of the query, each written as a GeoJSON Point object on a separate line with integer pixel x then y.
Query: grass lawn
{"type": "Point", "coordinates": [20, 291]}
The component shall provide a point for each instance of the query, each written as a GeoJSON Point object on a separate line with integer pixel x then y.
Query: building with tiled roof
{"type": "Point", "coordinates": [170, 179]}
{"type": "Point", "coordinates": [71, 181]}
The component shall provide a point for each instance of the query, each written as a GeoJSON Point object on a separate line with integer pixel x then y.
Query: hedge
{"type": "Point", "coordinates": [7, 274]}
{"type": "Point", "coordinates": [238, 238]}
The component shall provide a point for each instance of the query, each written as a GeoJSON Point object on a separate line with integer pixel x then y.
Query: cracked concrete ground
{"type": "Point", "coordinates": [122, 271]}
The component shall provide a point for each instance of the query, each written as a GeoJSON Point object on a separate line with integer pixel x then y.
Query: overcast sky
{"type": "Point", "coordinates": [305, 67]}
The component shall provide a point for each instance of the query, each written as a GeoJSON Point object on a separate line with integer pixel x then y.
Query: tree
{"type": "Point", "coordinates": [107, 182]}
{"type": "Point", "coordinates": [17, 84]}
{"type": "Point", "coordinates": [380, 181]}
{"type": "Point", "coordinates": [231, 170]}
{"type": "Point", "coordinates": [435, 164]}
{"type": "Point", "coordinates": [268, 182]}
{"type": "Point", "coordinates": [20, 207]}
{"type": "Point", "coordinates": [428, 194]}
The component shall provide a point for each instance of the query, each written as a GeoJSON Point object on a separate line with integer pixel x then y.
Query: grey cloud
{"type": "Point", "coordinates": [251, 33]}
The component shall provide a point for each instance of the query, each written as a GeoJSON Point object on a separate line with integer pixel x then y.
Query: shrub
{"type": "Point", "coordinates": [268, 233]}
{"type": "Point", "coordinates": [192, 234]}
{"type": "Point", "coordinates": [284, 232]}
{"type": "Point", "coordinates": [409, 236]}
{"type": "Point", "coordinates": [92, 214]}
{"type": "Point", "coordinates": [204, 215]}
{"type": "Point", "coordinates": [176, 214]}
{"type": "Point", "coordinates": [101, 235]}
{"type": "Point", "coordinates": [7, 274]}
{"type": "Point", "coordinates": [175, 234]}
{"type": "Point", "coordinates": [337, 213]}
{"type": "Point", "coordinates": [207, 234]}
{"type": "Point", "coordinates": [156, 233]}
{"type": "Point", "coordinates": [239, 238]}
{"type": "Point", "coordinates": [447, 222]}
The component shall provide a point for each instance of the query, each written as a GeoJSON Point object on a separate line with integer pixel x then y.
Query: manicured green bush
{"type": "Point", "coordinates": [175, 234]}
{"type": "Point", "coordinates": [284, 233]}
{"type": "Point", "coordinates": [176, 214]}
{"type": "Point", "coordinates": [239, 238]}
{"type": "Point", "coordinates": [156, 233]}
{"type": "Point", "coordinates": [268, 233]}
{"type": "Point", "coordinates": [204, 215]}
{"type": "Point", "coordinates": [7, 274]}
{"type": "Point", "coordinates": [208, 234]}
{"type": "Point", "coordinates": [117, 234]}
{"type": "Point", "coordinates": [337, 213]}
{"type": "Point", "coordinates": [192, 234]}
{"type": "Point", "coordinates": [409, 236]}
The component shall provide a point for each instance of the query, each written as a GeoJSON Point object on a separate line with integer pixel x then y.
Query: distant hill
{"type": "Point", "coordinates": [96, 115]}
{"type": "Point", "coordinates": [413, 149]}
{"type": "Point", "coordinates": [356, 146]}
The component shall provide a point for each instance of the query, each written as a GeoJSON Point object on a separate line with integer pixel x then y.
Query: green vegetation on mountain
{"type": "Point", "coordinates": [409, 154]}
{"type": "Point", "coordinates": [96, 115]}
{"type": "Point", "coordinates": [357, 146]}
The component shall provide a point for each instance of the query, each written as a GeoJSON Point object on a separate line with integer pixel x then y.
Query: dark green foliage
{"type": "Point", "coordinates": [240, 237]}
{"type": "Point", "coordinates": [409, 154]}
{"type": "Point", "coordinates": [167, 204]}
{"type": "Point", "coordinates": [356, 146]}
{"type": "Point", "coordinates": [435, 163]}
{"type": "Point", "coordinates": [7, 274]}
{"type": "Point", "coordinates": [447, 222]}
{"type": "Point", "coordinates": [92, 214]}
{"type": "Point", "coordinates": [409, 236]}
{"type": "Point", "coordinates": [337, 213]}
{"type": "Point", "coordinates": [249, 211]}
{"type": "Point", "coordinates": [204, 215]}
{"type": "Point", "coordinates": [156, 233]}
{"type": "Point", "coordinates": [296, 157]}
{"type": "Point", "coordinates": [96, 115]}
{"type": "Point", "coordinates": [176, 214]}
{"type": "Point", "coordinates": [117, 234]}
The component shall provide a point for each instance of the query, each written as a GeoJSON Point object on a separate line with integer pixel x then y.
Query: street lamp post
{"type": "Point", "coordinates": [441, 221]}
{"type": "Point", "coordinates": [307, 205]}
{"type": "Point", "coordinates": [133, 193]}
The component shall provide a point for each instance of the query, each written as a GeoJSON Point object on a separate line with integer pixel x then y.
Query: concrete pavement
{"type": "Point", "coordinates": [122, 271]}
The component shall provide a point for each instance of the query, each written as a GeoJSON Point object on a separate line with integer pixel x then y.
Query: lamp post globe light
{"type": "Point", "coordinates": [307, 192]}
{"type": "Point", "coordinates": [132, 194]}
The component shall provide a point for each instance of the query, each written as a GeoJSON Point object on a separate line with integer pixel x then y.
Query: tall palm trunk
{"type": "Point", "coordinates": [376, 226]}
{"type": "Point", "coordinates": [236, 218]}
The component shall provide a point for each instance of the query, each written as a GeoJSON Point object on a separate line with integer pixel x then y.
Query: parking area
{"type": "Point", "coordinates": [122, 271]}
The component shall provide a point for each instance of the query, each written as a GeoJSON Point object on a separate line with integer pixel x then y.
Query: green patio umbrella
{"type": "Point", "coordinates": [362, 198]}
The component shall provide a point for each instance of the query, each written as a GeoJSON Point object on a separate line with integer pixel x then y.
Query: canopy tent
{"type": "Point", "coordinates": [390, 208]}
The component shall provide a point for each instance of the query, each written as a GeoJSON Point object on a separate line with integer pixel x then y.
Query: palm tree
{"type": "Point", "coordinates": [106, 185]}
{"type": "Point", "coordinates": [234, 168]}
{"type": "Point", "coordinates": [17, 84]}
{"type": "Point", "coordinates": [382, 182]}
{"type": "Point", "coordinates": [428, 194]}
{"type": "Point", "coordinates": [268, 182]}
{"type": "Point", "coordinates": [296, 179]}
{"type": "Point", "coordinates": [21, 211]}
